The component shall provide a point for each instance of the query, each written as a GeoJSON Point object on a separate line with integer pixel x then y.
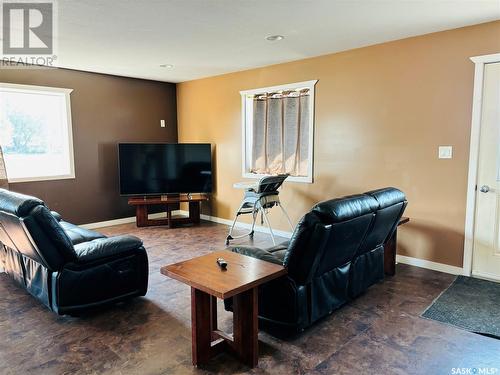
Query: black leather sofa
{"type": "Point", "coordinates": [67, 268]}
{"type": "Point", "coordinates": [336, 252]}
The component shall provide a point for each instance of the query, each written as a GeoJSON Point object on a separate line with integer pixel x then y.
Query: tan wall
{"type": "Point", "coordinates": [381, 112]}
{"type": "Point", "coordinates": [105, 110]}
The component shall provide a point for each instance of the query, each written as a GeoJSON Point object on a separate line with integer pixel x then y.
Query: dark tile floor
{"type": "Point", "coordinates": [379, 333]}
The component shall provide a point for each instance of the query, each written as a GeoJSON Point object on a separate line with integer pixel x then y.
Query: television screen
{"type": "Point", "coordinates": [159, 168]}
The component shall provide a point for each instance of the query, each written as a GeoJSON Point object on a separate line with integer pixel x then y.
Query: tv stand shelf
{"type": "Point", "coordinates": [171, 203]}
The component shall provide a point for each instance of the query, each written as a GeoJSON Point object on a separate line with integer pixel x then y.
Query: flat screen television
{"type": "Point", "coordinates": [160, 168]}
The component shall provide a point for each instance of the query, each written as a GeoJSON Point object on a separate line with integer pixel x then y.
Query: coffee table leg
{"type": "Point", "coordinates": [246, 328]}
{"type": "Point", "coordinates": [213, 313]}
{"type": "Point", "coordinates": [201, 314]}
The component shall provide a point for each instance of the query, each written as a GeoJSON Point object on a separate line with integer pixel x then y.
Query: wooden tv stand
{"type": "Point", "coordinates": [171, 203]}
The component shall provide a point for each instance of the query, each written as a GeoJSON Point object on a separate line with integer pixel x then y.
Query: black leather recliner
{"type": "Point", "coordinates": [336, 252]}
{"type": "Point", "coordinates": [67, 268]}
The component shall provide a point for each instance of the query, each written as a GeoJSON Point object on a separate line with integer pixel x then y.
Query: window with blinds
{"type": "Point", "coordinates": [278, 131]}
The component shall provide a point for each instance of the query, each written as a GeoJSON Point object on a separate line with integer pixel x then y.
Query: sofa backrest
{"type": "Point", "coordinates": [305, 248]}
{"type": "Point", "coordinates": [391, 203]}
{"type": "Point", "coordinates": [27, 226]}
{"type": "Point", "coordinates": [350, 218]}
{"type": "Point", "coordinates": [334, 232]}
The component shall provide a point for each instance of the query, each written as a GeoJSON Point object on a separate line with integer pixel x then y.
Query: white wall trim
{"type": "Point", "coordinates": [246, 130]}
{"type": "Point", "coordinates": [288, 86]}
{"type": "Point", "coordinates": [110, 223]}
{"type": "Point", "coordinates": [486, 276]}
{"type": "Point", "coordinates": [486, 59]}
{"type": "Point", "coordinates": [422, 263]}
{"type": "Point", "coordinates": [470, 209]}
{"type": "Point", "coordinates": [53, 91]}
{"type": "Point", "coordinates": [214, 219]}
{"type": "Point", "coordinates": [240, 225]}
{"type": "Point", "coordinates": [34, 88]}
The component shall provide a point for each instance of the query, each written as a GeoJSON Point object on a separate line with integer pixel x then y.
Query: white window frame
{"type": "Point", "coordinates": [42, 90]}
{"type": "Point", "coordinates": [246, 130]}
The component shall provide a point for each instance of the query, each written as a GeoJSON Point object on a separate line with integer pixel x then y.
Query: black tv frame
{"type": "Point", "coordinates": [161, 194]}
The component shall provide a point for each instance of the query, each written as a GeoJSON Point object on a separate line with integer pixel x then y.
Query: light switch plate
{"type": "Point", "coordinates": [445, 152]}
{"type": "Point", "coordinates": [162, 123]}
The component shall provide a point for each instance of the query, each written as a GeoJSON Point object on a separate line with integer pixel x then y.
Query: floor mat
{"type": "Point", "coordinates": [471, 304]}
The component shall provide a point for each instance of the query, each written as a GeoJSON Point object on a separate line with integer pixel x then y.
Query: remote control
{"type": "Point", "coordinates": [222, 263]}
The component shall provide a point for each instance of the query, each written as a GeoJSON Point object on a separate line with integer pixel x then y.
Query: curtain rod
{"type": "Point", "coordinates": [281, 94]}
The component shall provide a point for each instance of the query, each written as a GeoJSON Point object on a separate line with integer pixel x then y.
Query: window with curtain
{"type": "Point", "coordinates": [278, 131]}
{"type": "Point", "coordinates": [35, 132]}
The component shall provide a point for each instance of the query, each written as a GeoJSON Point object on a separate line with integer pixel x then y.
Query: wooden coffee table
{"type": "Point", "coordinates": [208, 282]}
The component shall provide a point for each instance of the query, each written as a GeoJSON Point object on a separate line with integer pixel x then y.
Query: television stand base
{"type": "Point", "coordinates": [171, 204]}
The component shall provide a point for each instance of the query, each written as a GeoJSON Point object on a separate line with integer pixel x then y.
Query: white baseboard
{"type": "Point", "coordinates": [258, 228]}
{"type": "Point", "coordinates": [486, 276]}
{"type": "Point", "coordinates": [422, 263]}
{"type": "Point", "coordinates": [110, 223]}
{"type": "Point", "coordinates": [240, 225]}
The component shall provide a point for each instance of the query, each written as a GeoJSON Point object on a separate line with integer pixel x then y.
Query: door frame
{"type": "Point", "coordinates": [480, 62]}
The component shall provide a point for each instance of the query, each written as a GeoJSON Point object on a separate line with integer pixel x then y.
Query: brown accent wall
{"type": "Point", "coordinates": [105, 110]}
{"type": "Point", "coordinates": [381, 112]}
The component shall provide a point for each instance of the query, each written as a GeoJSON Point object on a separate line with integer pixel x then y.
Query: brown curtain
{"type": "Point", "coordinates": [281, 132]}
{"type": "Point", "coordinates": [4, 182]}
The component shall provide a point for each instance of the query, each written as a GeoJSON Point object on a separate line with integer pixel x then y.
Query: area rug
{"type": "Point", "coordinates": [470, 304]}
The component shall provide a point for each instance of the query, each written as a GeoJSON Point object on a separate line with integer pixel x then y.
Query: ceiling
{"type": "Point", "coordinates": [202, 38]}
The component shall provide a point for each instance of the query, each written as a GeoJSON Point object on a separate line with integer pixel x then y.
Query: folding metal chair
{"type": "Point", "coordinates": [260, 200]}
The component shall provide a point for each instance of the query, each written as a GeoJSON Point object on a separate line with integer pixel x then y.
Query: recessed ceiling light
{"type": "Point", "coordinates": [274, 38]}
{"type": "Point", "coordinates": [168, 66]}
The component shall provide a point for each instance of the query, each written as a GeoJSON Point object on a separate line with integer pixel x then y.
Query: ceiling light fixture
{"type": "Point", "coordinates": [274, 38]}
{"type": "Point", "coordinates": [168, 66]}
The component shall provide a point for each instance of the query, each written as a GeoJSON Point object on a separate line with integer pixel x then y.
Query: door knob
{"type": "Point", "coordinates": [484, 189]}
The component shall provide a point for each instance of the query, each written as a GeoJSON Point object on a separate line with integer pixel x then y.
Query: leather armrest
{"type": "Point", "coordinates": [56, 215]}
{"type": "Point", "coordinates": [280, 254]}
{"type": "Point", "coordinates": [279, 247]}
{"type": "Point", "coordinates": [106, 247]}
{"type": "Point", "coordinates": [257, 253]}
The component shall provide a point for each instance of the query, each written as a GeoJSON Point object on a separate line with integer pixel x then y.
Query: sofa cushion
{"type": "Point", "coordinates": [78, 235]}
{"type": "Point", "coordinates": [56, 215]}
{"type": "Point", "coordinates": [257, 253]}
{"type": "Point", "coordinates": [279, 247]}
{"type": "Point", "coordinates": [17, 204]}
{"type": "Point", "coordinates": [341, 209]}
{"type": "Point", "coordinates": [106, 247]}
{"type": "Point", "coordinates": [280, 254]}
{"type": "Point", "coordinates": [54, 232]}
{"type": "Point", "coordinates": [387, 196]}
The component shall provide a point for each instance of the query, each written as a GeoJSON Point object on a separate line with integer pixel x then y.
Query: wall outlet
{"type": "Point", "coordinates": [162, 123]}
{"type": "Point", "coordinates": [445, 152]}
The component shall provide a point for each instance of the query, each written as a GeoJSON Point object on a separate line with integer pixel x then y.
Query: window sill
{"type": "Point", "coordinates": [304, 180]}
{"type": "Point", "coordinates": [42, 178]}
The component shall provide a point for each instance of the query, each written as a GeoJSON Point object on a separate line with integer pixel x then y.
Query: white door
{"type": "Point", "coordinates": [486, 253]}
